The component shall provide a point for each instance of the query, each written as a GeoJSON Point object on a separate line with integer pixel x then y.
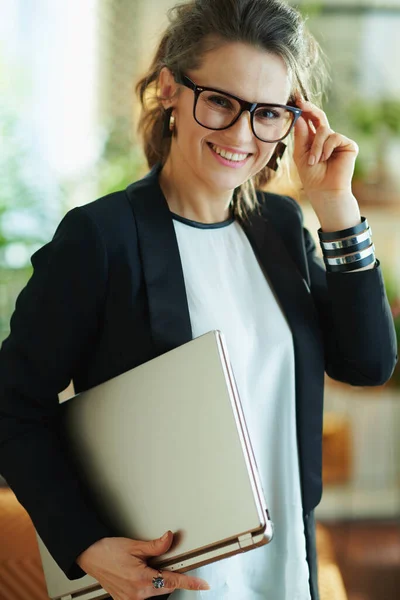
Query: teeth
{"type": "Point", "coordinates": [229, 155]}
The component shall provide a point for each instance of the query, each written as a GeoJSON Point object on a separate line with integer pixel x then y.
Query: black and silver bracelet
{"type": "Point", "coordinates": [350, 262]}
{"type": "Point", "coordinates": [365, 262]}
{"type": "Point", "coordinates": [348, 245]}
{"type": "Point", "coordinates": [347, 249]}
{"type": "Point", "coordinates": [332, 236]}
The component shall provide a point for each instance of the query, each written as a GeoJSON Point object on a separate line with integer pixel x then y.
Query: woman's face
{"type": "Point", "coordinates": [246, 72]}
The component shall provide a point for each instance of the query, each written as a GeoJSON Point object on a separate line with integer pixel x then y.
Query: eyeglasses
{"type": "Point", "coordinates": [217, 110]}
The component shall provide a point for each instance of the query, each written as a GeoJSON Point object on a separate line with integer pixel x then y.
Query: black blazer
{"type": "Point", "coordinates": [108, 294]}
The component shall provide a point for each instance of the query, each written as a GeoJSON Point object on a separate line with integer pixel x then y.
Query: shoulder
{"type": "Point", "coordinates": [282, 211]}
{"type": "Point", "coordinates": [111, 215]}
{"type": "Point", "coordinates": [278, 204]}
{"type": "Point", "coordinates": [107, 222]}
{"type": "Point", "coordinates": [116, 215]}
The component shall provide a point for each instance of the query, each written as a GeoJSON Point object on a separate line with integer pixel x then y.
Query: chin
{"type": "Point", "coordinates": [225, 178]}
{"type": "Point", "coordinates": [224, 182]}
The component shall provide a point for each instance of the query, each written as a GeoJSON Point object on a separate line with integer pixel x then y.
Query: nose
{"type": "Point", "coordinates": [241, 131]}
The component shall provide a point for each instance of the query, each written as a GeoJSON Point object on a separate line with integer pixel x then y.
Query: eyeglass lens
{"type": "Point", "coordinates": [217, 111]}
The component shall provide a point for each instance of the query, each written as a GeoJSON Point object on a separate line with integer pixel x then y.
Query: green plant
{"type": "Point", "coordinates": [370, 117]}
{"type": "Point", "coordinates": [374, 124]}
{"type": "Point", "coordinates": [24, 224]}
{"type": "Point", "coordinates": [23, 221]}
{"type": "Point", "coordinates": [22, 218]}
{"type": "Point", "coordinates": [120, 162]}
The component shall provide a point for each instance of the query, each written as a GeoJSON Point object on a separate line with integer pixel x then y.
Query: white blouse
{"type": "Point", "coordinates": [227, 290]}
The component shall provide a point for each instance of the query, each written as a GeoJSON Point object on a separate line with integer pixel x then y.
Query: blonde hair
{"type": "Point", "coordinates": [198, 26]}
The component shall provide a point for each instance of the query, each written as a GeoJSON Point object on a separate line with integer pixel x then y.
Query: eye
{"type": "Point", "coordinates": [220, 101]}
{"type": "Point", "coordinates": [268, 113]}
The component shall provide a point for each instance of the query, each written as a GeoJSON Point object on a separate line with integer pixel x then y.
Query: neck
{"type": "Point", "coordinates": [189, 196]}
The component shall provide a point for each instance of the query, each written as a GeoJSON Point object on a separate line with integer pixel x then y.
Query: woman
{"type": "Point", "coordinates": [190, 248]}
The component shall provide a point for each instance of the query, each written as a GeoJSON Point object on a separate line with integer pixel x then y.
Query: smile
{"type": "Point", "coordinates": [227, 157]}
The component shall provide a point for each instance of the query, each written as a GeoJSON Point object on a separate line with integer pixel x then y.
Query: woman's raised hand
{"type": "Point", "coordinates": [119, 565]}
{"type": "Point", "coordinates": [325, 162]}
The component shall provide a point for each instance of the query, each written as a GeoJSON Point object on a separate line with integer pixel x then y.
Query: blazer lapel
{"type": "Point", "coordinates": [290, 287]}
{"type": "Point", "coordinates": [162, 267]}
{"type": "Point", "coordinates": [295, 299]}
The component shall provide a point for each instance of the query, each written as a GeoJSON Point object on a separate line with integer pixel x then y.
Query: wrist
{"type": "Point", "coordinates": [336, 211]}
{"type": "Point", "coordinates": [82, 559]}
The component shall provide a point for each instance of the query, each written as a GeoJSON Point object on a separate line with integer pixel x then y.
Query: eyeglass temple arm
{"type": "Point", "coordinates": [184, 80]}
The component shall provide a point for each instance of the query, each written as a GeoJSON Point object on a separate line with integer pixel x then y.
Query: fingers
{"type": "Point", "coordinates": [173, 581]}
{"type": "Point", "coordinates": [315, 140]}
{"type": "Point", "coordinates": [312, 121]}
{"type": "Point", "coordinates": [324, 142]}
{"type": "Point", "coordinates": [303, 138]}
{"type": "Point", "coordinates": [155, 547]}
{"type": "Point", "coordinates": [312, 113]}
{"type": "Point", "coordinates": [337, 141]}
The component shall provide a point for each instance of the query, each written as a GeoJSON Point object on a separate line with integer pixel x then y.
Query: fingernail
{"type": "Point", "coordinates": [203, 584]}
{"type": "Point", "coordinates": [311, 160]}
{"type": "Point", "coordinates": [164, 537]}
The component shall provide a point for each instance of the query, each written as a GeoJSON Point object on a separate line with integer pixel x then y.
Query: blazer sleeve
{"type": "Point", "coordinates": [356, 321]}
{"type": "Point", "coordinates": [54, 326]}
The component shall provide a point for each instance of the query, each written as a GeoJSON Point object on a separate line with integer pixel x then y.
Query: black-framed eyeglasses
{"type": "Point", "coordinates": [217, 110]}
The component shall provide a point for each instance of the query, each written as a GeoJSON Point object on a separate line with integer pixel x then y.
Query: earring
{"type": "Point", "coordinates": [276, 158]}
{"type": "Point", "coordinates": [168, 124]}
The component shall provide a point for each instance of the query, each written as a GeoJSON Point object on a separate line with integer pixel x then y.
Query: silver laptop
{"type": "Point", "coordinates": [165, 446]}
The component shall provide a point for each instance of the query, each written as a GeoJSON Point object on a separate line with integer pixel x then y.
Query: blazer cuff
{"type": "Point", "coordinates": [73, 545]}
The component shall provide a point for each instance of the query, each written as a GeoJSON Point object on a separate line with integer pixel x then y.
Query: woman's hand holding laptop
{"type": "Point", "coordinates": [119, 565]}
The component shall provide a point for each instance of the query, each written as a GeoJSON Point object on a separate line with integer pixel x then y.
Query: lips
{"type": "Point", "coordinates": [229, 154]}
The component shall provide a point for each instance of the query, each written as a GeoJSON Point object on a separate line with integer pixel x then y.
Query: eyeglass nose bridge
{"type": "Point", "coordinates": [250, 107]}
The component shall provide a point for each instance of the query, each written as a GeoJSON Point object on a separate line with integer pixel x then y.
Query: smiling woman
{"type": "Point", "coordinates": [225, 121]}
{"type": "Point", "coordinates": [252, 52]}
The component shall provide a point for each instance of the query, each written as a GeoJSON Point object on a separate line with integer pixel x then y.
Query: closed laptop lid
{"type": "Point", "coordinates": [164, 446]}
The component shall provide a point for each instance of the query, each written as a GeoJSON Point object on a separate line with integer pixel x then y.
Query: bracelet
{"type": "Point", "coordinates": [348, 242]}
{"type": "Point", "coordinates": [350, 258]}
{"type": "Point", "coordinates": [355, 248]}
{"type": "Point", "coordinates": [343, 233]}
{"type": "Point", "coordinates": [351, 267]}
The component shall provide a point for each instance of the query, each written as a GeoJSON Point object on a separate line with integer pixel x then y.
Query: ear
{"type": "Point", "coordinates": [168, 88]}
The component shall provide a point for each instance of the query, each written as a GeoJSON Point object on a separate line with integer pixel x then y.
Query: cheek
{"type": "Point", "coordinates": [265, 151]}
{"type": "Point", "coordinates": [190, 133]}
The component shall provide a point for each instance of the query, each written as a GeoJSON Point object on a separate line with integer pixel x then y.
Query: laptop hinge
{"type": "Point", "coordinates": [245, 540]}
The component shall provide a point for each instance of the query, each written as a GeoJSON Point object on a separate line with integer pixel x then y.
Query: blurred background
{"type": "Point", "coordinates": [67, 117]}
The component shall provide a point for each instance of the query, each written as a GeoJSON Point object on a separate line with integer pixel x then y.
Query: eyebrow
{"type": "Point", "coordinates": [274, 103]}
{"type": "Point", "coordinates": [240, 97]}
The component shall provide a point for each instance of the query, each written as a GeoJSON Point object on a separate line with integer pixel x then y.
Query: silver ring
{"type": "Point", "coordinates": [158, 582]}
